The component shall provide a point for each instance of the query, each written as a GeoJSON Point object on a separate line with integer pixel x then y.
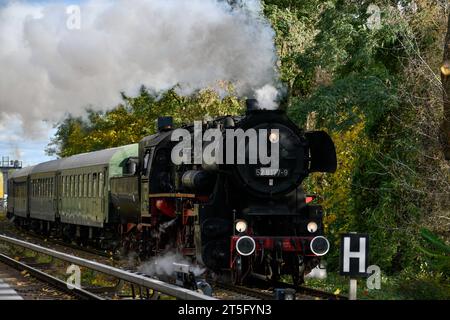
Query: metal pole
{"type": "Point", "coordinates": [5, 182]}
{"type": "Point", "coordinates": [353, 288]}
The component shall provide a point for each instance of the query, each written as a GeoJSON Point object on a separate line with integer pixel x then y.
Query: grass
{"type": "Point", "coordinates": [404, 286]}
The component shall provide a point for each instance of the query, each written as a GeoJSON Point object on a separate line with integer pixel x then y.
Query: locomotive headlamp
{"type": "Point", "coordinates": [312, 227]}
{"type": "Point", "coordinates": [274, 137]}
{"type": "Point", "coordinates": [241, 226]}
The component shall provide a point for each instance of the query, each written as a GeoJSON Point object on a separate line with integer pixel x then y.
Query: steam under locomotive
{"type": "Point", "coordinates": [246, 218]}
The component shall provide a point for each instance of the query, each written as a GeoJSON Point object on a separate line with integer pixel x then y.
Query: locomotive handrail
{"type": "Point", "coordinates": [157, 285]}
{"type": "Point", "coordinates": [171, 195]}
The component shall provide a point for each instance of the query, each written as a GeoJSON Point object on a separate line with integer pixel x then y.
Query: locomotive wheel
{"type": "Point", "coordinates": [298, 276]}
{"type": "Point", "coordinates": [298, 271]}
{"type": "Point", "coordinates": [240, 270]}
{"type": "Point", "coordinates": [237, 271]}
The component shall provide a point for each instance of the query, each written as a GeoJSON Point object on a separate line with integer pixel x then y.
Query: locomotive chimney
{"type": "Point", "coordinates": [252, 105]}
{"type": "Point", "coordinates": [165, 123]}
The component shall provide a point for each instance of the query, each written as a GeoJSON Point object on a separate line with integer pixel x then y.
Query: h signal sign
{"type": "Point", "coordinates": [354, 255]}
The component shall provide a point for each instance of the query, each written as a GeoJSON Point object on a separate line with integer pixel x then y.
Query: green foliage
{"type": "Point", "coordinates": [135, 119]}
{"type": "Point", "coordinates": [357, 90]}
{"type": "Point", "coordinates": [437, 252]}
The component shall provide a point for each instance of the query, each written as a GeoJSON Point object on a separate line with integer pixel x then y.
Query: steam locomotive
{"type": "Point", "coordinates": [242, 218]}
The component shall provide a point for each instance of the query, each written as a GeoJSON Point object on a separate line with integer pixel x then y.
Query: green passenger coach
{"type": "Point", "coordinates": [73, 190]}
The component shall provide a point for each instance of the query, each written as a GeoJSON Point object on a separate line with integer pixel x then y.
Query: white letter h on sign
{"type": "Point", "coordinates": [361, 255]}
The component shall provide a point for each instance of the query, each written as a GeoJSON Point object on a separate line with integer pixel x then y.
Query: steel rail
{"type": "Point", "coordinates": [47, 278]}
{"type": "Point", "coordinates": [249, 292]}
{"type": "Point", "coordinates": [140, 280]}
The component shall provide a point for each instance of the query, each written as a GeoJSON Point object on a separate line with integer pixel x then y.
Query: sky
{"type": "Point", "coordinates": [15, 145]}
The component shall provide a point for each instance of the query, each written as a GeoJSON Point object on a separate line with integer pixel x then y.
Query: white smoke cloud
{"type": "Point", "coordinates": [164, 265]}
{"type": "Point", "coordinates": [268, 97]}
{"type": "Point", "coordinates": [48, 70]}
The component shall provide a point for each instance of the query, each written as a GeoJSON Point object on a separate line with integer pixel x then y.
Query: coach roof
{"type": "Point", "coordinates": [22, 172]}
{"type": "Point", "coordinates": [104, 157]}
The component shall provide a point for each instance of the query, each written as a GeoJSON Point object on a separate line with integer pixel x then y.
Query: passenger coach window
{"type": "Point", "coordinates": [78, 186]}
{"type": "Point", "coordinates": [89, 185]}
{"type": "Point", "coordinates": [101, 182]}
{"type": "Point", "coordinates": [74, 183]}
{"type": "Point", "coordinates": [84, 185]}
{"type": "Point", "coordinates": [80, 191]}
{"type": "Point", "coordinates": [95, 184]}
{"type": "Point", "coordinates": [67, 186]}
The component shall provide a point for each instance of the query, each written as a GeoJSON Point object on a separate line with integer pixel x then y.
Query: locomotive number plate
{"type": "Point", "coordinates": [270, 172]}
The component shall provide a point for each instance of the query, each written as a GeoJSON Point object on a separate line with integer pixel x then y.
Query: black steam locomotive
{"type": "Point", "coordinates": [245, 217]}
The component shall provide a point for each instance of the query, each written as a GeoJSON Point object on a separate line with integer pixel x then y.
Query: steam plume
{"type": "Point", "coordinates": [163, 265]}
{"type": "Point", "coordinates": [48, 69]}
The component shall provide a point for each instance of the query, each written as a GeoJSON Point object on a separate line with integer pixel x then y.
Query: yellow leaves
{"type": "Point", "coordinates": [25, 273]}
{"type": "Point", "coordinates": [337, 291]}
{"type": "Point", "coordinates": [336, 188]}
{"type": "Point", "coordinates": [329, 219]}
{"type": "Point", "coordinates": [445, 68]}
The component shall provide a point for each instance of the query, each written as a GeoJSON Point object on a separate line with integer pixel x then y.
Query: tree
{"type": "Point", "coordinates": [378, 104]}
{"type": "Point", "coordinates": [136, 118]}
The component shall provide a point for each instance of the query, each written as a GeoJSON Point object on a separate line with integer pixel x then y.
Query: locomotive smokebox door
{"type": "Point", "coordinates": [322, 152]}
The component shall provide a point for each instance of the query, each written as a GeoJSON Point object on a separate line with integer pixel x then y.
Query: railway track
{"type": "Point", "coordinates": [9, 229]}
{"type": "Point", "coordinates": [142, 286]}
{"type": "Point", "coordinates": [71, 245]}
{"type": "Point", "coordinates": [233, 292]}
{"type": "Point", "coordinates": [48, 279]}
{"type": "Point", "coordinates": [222, 290]}
{"type": "Point", "coordinates": [20, 285]}
{"type": "Point", "coordinates": [264, 293]}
